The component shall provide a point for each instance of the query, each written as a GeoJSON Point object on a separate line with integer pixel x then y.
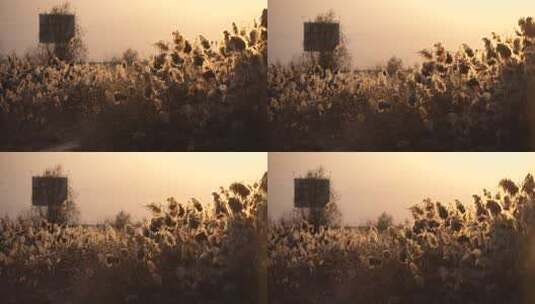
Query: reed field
{"type": "Point", "coordinates": [447, 253]}
{"type": "Point", "coordinates": [185, 252]}
{"type": "Point", "coordinates": [192, 95]}
{"type": "Point", "coordinates": [466, 99]}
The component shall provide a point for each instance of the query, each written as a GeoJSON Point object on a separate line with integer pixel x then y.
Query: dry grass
{"type": "Point", "coordinates": [186, 252]}
{"type": "Point", "coordinates": [448, 254]}
{"type": "Point", "coordinates": [197, 95]}
{"type": "Point", "coordinates": [456, 100]}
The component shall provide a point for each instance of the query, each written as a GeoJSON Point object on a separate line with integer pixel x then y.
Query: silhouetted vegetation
{"type": "Point", "coordinates": [468, 99]}
{"type": "Point", "coordinates": [453, 253]}
{"type": "Point", "coordinates": [201, 95]}
{"type": "Point", "coordinates": [186, 252]}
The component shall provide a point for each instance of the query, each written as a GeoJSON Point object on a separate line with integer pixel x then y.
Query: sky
{"type": "Point", "coordinates": [105, 183]}
{"type": "Point", "coordinates": [113, 26]}
{"type": "Point", "coordinates": [377, 30]}
{"type": "Point", "coordinates": [369, 183]}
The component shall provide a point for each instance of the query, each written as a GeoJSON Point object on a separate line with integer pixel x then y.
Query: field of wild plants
{"type": "Point", "coordinates": [185, 253]}
{"type": "Point", "coordinates": [466, 99]}
{"type": "Point", "coordinates": [483, 253]}
{"type": "Point", "coordinates": [192, 95]}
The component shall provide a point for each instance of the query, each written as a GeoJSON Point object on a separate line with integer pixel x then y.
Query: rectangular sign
{"type": "Point", "coordinates": [321, 36]}
{"type": "Point", "coordinates": [49, 191]}
{"type": "Point", "coordinates": [311, 192]}
{"type": "Point", "coordinates": [56, 28]}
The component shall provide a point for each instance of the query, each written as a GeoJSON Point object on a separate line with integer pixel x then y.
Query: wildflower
{"type": "Point", "coordinates": [236, 44]}
{"type": "Point", "coordinates": [419, 226]}
{"type": "Point", "coordinates": [456, 224]}
{"type": "Point", "coordinates": [473, 83]}
{"type": "Point", "coordinates": [529, 185]}
{"type": "Point", "coordinates": [509, 186]}
{"type": "Point", "coordinates": [264, 18]}
{"type": "Point", "coordinates": [196, 204]}
{"type": "Point", "coordinates": [176, 59]}
{"type": "Point", "coordinates": [204, 42]}
{"type": "Point", "coordinates": [426, 54]}
{"type": "Point", "coordinates": [442, 211]}
{"type": "Point", "coordinates": [172, 203]}
{"type": "Point", "coordinates": [449, 58]}
{"type": "Point", "coordinates": [416, 211]}
{"type": "Point", "coordinates": [235, 205]}
{"type": "Point", "coordinates": [181, 211]}
{"type": "Point", "coordinates": [187, 47]}
{"type": "Point", "coordinates": [253, 37]}
{"type": "Point", "coordinates": [504, 51]}
{"type": "Point", "coordinates": [460, 206]}
{"type": "Point", "coordinates": [403, 255]}
{"type": "Point", "coordinates": [240, 189]}
{"type": "Point", "coordinates": [374, 262]}
{"type": "Point", "coordinates": [193, 221]}
{"type": "Point", "coordinates": [432, 240]}
{"type": "Point", "coordinates": [198, 59]}
{"type": "Point", "coordinates": [170, 221]}
{"type": "Point", "coordinates": [463, 239]}
{"type": "Point", "coordinates": [384, 105]}
{"type": "Point", "coordinates": [154, 208]}
{"type": "Point", "coordinates": [494, 207]}
{"type": "Point", "coordinates": [156, 224]}
{"type": "Point", "coordinates": [428, 68]}
{"type": "Point", "coordinates": [464, 68]}
{"type": "Point", "coordinates": [110, 260]}
{"type": "Point", "coordinates": [208, 75]}
{"type": "Point", "coordinates": [201, 237]}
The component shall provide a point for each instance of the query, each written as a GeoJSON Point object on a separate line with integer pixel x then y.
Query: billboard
{"type": "Point", "coordinates": [321, 36]}
{"type": "Point", "coordinates": [311, 192]}
{"type": "Point", "coordinates": [56, 28]}
{"type": "Point", "coordinates": [49, 191]}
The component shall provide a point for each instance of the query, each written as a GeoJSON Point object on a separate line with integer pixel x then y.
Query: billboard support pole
{"type": "Point", "coordinates": [52, 213]}
{"type": "Point", "coordinates": [326, 59]}
{"type": "Point", "coordinates": [315, 217]}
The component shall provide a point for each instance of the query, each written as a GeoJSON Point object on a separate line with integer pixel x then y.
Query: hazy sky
{"type": "Point", "coordinates": [106, 183]}
{"type": "Point", "coordinates": [111, 26]}
{"type": "Point", "coordinates": [379, 29]}
{"type": "Point", "coordinates": [370, 183]}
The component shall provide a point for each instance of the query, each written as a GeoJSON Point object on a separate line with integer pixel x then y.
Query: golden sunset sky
{"type": "Point", "coordinates": [113, 26]}
{"type": "Point", "coordinates": [106, 183]}
{"type": "Point", "coordinates": [370, 183]}
{"type": "Point", "coordinates": [379, 29]}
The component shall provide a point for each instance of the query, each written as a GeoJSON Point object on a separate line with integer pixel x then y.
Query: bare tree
{"type": "Point", "coordinates": [384, 221]}
{"type": "Point", "coordinates": [130, 56]}
{"type": "Point", "coordinates": [122, 219]}
{"type": "Point", "coordinates": [394, 65]}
